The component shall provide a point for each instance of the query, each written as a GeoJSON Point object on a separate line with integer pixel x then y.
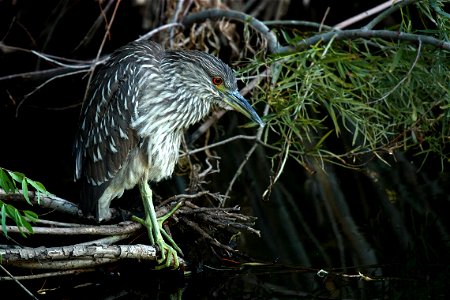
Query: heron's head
{"type": "Point", "coordinates": [202, 76]}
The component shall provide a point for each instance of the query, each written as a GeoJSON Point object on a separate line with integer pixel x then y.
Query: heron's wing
{"type": "Point", "coordinates": [105, 137]}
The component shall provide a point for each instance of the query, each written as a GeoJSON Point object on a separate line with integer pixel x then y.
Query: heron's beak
{"type": "Point", "coordinates": [238, 103]}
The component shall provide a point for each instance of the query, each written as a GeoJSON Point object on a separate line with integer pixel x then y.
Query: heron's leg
{"type": "Point", "coordinates": [161, 221]}
{"type": "Point", "coordinates": [155, 230]}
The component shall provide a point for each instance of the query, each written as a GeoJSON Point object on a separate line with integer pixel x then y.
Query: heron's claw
{"type": "Point", "coordinates": [169, 257]}
{"type": "Point", "coordinates": [157, 236]}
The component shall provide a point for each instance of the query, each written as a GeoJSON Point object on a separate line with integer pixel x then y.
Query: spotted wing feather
{"type": "Point", "coordinates": [105, 137]}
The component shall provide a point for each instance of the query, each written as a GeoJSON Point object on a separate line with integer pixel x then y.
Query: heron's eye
{"type": "Point", "coordinates": [217, 80]}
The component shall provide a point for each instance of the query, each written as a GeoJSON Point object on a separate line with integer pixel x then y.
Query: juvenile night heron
{"type": "Point", "coordinates": [138, 106]}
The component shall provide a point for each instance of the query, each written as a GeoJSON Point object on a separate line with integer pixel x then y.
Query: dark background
{"type": "Point", "coordinates": [37, 134]}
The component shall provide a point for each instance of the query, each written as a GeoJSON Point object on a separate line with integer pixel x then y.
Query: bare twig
{"type": "Point", "coordinates": [53, 59]}
{"type": "Point", "coordinates": [110, 240]}
{"type": "Point", "coordinates": [274, 179]}
{"type": "Point", "coordinates": [387, 12]}
{"type": "Point", "coordinates": [44, 84]}
{"type": "Point", "coordinates": [89, 35]}
{"type": "Point", "coordinates": [48, 274]}
{"type": "Point", "coordinates": [187, 196]}
{"type": "Point", "coordinates": [100, 49]}
{"type": "Point", "coordinates": [76, 63]}
{"type": "Point", "coordinates": [234, 138]}
{"type": "Point", "coordinates": [247, 157]}
{"type": "Point", "coordinates": [366, 14]}
{"type": "Point", "coordinates": [149, 34]}
{"type": "Point", "coordinates": [324, 18]}
{"type": "Point", "coordinates": [126, 227]}
{"type": "Point", "coordinates": [16, 280]}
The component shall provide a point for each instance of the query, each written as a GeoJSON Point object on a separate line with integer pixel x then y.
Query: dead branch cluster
{"type": "Point", "coordinates": [101, 244]}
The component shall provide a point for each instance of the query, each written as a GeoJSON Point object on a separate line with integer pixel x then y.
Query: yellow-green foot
{"type": "Point", "coordinates": [157, 235]}
{"type": "Point", "coordinates": [169, 257]}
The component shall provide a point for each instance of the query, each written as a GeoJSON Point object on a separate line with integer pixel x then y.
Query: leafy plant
{"type": "Point", "coordinates": [10, 182]}
{"type": "Point", "coordinates": [371, 96]}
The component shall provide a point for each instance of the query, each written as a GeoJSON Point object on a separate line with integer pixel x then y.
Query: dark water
{"type": "Point", "coordinates": [253, 283]}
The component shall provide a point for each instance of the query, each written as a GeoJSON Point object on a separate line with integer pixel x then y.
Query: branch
{"type": "Point", "coordinates": [46, 201]}
{"type": "Point", "coordinates": [102, 251]}
{"type": "Point", "coordinates": [368, 13]}
{"type": "Point", "coordinates": [387, 12]}
{"type": "Point", "coordinates": [149, 34]}
{"type": "Point", "coordinates": [181, 197]}
{"type": "Point", "coordinates": [65, 65]}
{"type": "Point", "coordinates": [16, 280]}
{"type": "Point", "coordinates": [44, 275]}
{"type": "Point", "coordinates": [122, 228]}
{"type": "Point", "coordinates": [246, 158]}
{"type": "Point", "coordinates": [362, 33]}
{"type": "Point", "coordinates": [234, 138]}
{"type": "Point", "coordinates": [107, 33]}
{"type": "Point", "coordinates": [75, 256]}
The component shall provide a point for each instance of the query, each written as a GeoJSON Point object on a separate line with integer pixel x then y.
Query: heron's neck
{"type": "Point", "coordinates": [161, 126]}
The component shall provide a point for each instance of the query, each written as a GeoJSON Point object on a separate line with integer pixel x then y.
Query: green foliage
{"type": "Point", "coordinates": [10, 182]}
{"type": "Point", "coordinates": [348, 101]}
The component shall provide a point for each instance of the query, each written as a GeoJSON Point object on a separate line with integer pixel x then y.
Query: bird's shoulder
{"type": "Point", "coordinates": [137, 53]}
